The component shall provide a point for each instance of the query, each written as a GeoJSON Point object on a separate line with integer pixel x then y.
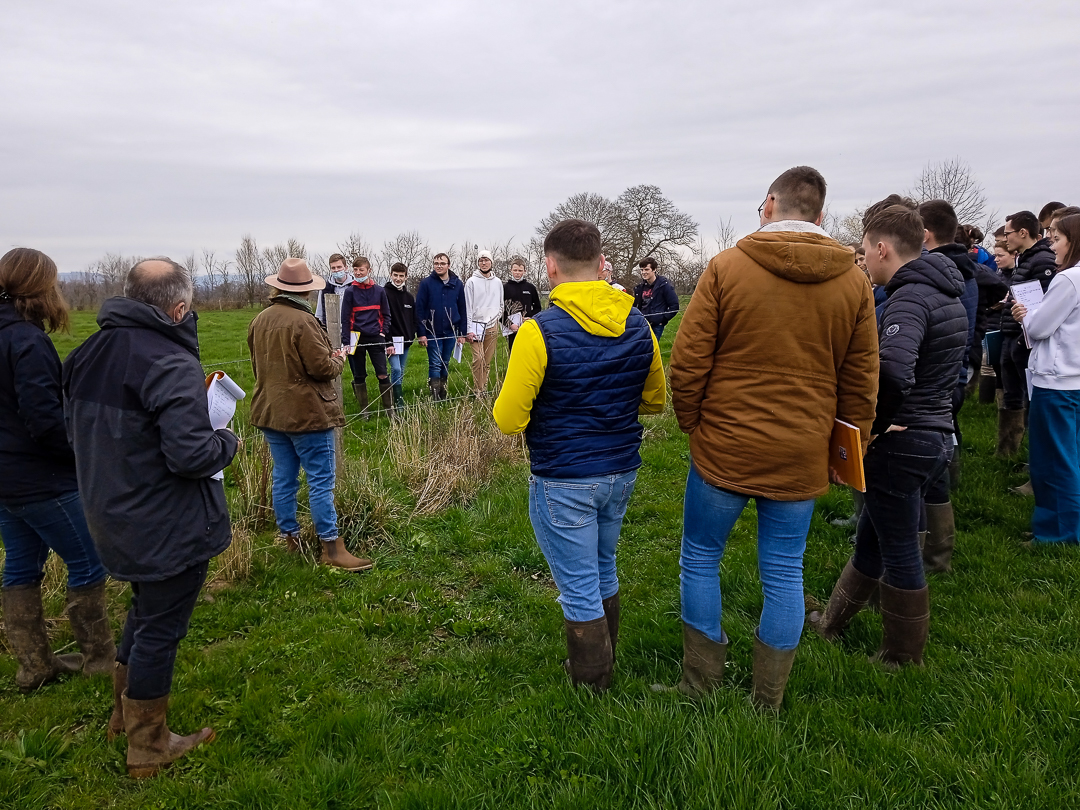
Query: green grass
{"type": "Point", "coordinates": [434, 680]}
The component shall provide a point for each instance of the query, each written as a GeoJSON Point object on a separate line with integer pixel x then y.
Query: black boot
{"type": "Point", "coordinates": [399, 398]}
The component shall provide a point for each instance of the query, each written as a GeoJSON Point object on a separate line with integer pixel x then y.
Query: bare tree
{"type": "Point", "coordinates": [726, 235]}
{"type": "Point", "coordinates": [952, 181]}
{"type": "Point", "coordinates": [250, 268]}
{"type": "Point", "coordinates": [594, 208]}
{"type": "Point", "coordinates": [845, 229]}
{"type": "Point", "coordinates": [652, 226]}
{"type": "Point", "coordinates": [410, 249]}
{"type": "Point", "coordinates": [354, 246]}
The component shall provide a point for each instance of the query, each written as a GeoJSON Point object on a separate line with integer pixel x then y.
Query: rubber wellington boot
{"type": "Point", "coordinates": [905, 621]}
{"type": "Point", "coordinates": [771, 670]}
{"type": "Point", "coordinates": [386, 394]}
{"type": "Point", "coordinates": [335, 555]}
{"type": "Point", "coordinates": [612, 609]}
{"type": "Point", "coordinates": [116, 720]}
{"type": "Point", "coordinates": [360, 392]}
{"type": "Point", "coordinates": [987, 387]}
{"type": "Point", "coordinates": [1010, 431]}
{"type": "Point", "coordinates": [399, 397]}
{"type": "Point", "coordinates": [849, 596]}
{"type": "Point", "coordinates": [151, 746]}
{"type": "Point", "coordinates": [90, 626]}
{"type": "Point", "coordinates": [940, 538]}
{"type": "Point", "coordinates": [702, 666]}
{"type": "Point", "coordinates": [24, 621]}
{"type": "Point", "coordinates": [589, 648]}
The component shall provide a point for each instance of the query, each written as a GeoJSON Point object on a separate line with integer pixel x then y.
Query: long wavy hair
{"type": "Point", "coordinates": [28, 279]}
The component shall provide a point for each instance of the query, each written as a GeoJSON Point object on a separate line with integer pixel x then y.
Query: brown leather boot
{"type": "Point", "coordinates": [151, 746]}
{"type": "Point", "coordinates": [90, 626]}
{"type": "Point", "coordinates": [940, 538]}
{"type": "Point", "coordinates": [589, 647]}
{"type": "Point", "coordinates": [849, 596]}
{"type": "Point", "coordinates": [292, 542]}
{"type": "Point", "coordinates": [360, 392]}
{"type": "Point", "coordinates": [771, 670]}
{"type": "Point", "coordinates": [386, 394]}
{"type": "Point", "coordinates": [905, 621]}
{"type": "Point", "coordinates": [119, 686]}
{"type": "Point", "coordinates": [24, 621]}
{"type": "Point", "coordinates": [611, 613]}
{"type": "Point", "coordinates": [335, 555]}
{"type": "Point", "coordinates": [1010, 431]}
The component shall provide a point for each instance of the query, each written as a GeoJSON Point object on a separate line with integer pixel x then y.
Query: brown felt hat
{"type": "Point", "coordinates": [295, 276]}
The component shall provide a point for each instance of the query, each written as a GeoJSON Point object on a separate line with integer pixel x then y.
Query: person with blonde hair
{"type": "Point", "coordinates": [40, 507]}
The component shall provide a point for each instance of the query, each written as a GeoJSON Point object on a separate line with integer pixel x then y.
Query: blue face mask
{"type": "Point", "coordinates": [339, 277]}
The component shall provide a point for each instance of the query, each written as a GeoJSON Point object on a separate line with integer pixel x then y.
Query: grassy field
{"type": "Point", "coordinates": [434, 680]}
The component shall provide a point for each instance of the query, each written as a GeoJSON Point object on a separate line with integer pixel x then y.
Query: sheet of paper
{"type": "Point", "coordinates": [457, 351]}
{"type": "Point", "coordinates": [221, 397]}
{"type": "Point", "coordinates": [354, 342]}
{"type": "Point", "coordinates": [399, 344]}
{"type": "Point", "coordinates": [478, 330]}
{"type": "Point", "coordinates": [1030, 294]}
{"type": "Point", "coordinates": [517, 319]}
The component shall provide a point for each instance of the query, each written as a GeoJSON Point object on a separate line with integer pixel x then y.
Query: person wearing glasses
{"type": "Point", "coordinates": [440, 321]}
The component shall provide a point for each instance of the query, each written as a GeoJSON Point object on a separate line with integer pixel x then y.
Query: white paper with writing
{"type": "Point", "coordinates": [221, 397]}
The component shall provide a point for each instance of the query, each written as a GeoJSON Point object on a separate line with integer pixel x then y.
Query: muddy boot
{"type": "Point", "coordinates": [335, 555]}
{"type": "Point", "coordinates": [399, 397]}
{"type": "Point", "coordinates": [702, 666]}
{"type": "Point", "coordinates": [849, 596]}
{"type": "Point", "coordinates": [1010, 431]}
{"type": "Point", "coordinates": [940, 540]}
{"type": "Point", "coordinates": [292, 542]}
{"type": "Point", "coordinates": [24, 621]}
{"type": "Point", "coordinates": [360, 392]}
{"type": "Point", "coordinates": [386, 394]}
{"type": "Point", "coordinates": [90, 626]}
{"type": "Point", "coordinates": [119, 686]}
{"type": "Point", "coordinates": [611, 613]}
{"type": "Point", "coordinates": [589, 647]}
{"type": "Point", "coordinates": [443, 393]}
{"type": "Point", "coordinates": [771, 670]}
{"type": "Point", "coordinates": [151, 746]}
{"type": "Point", "coordinates": [905, 621]}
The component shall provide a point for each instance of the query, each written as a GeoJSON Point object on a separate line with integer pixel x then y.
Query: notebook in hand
{"type": "Point", "coordinates": [845, 454]}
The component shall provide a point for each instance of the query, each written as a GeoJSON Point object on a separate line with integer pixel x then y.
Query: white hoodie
{"type": "Point", "coordinates": [1054, 330]}
{"type": "Point", "coordinates": [483, 299]}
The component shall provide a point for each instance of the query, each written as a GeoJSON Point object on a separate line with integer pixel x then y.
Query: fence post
{"type": "Point", "coordinates": [332, 308]}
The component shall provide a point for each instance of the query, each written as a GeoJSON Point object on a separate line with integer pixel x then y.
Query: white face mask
{"type": "Point", "coordinates": [361, 273]}
{"type": "Point", "coordinates": [397, 286]}
{"type": "Point", "coordinates": [339, 277]}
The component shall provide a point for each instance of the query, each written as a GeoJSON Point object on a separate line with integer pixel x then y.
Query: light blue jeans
{"type": "Point", "coordinates": [315, 453]}
{"type": "Point", "coordinates": [709, 514]}
{"type": "Point", "coordinates": [397, 365]}
{"type": "Point", "coordinates": [577, 523]}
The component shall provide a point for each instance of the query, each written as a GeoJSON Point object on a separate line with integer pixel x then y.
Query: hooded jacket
{"type": "Point", "coordinates": [135, 405]}
{"type": "Point", "coordinates": [777, 341]}
{"type": "Point", "coordinates": [922, 332]}
{"type": "Point", "coordinates": [580, 373]}
{"type": "Point", "coordinates": [402, 313]}
{"type": "Point", "coordinates": [440, 307]}
{"type": "Point", "coordinates": [519, 297]}
{"type": "Point", "coordinates": [35, 456]}
{"type": "Point", "coordinates": [968, 267]}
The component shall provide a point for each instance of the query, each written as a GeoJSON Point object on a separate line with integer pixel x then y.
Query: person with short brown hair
{"type": "Point", "coordinates": [40, 506]}
{"type": "Point", "coordinates": [922, 334]}
{"type": "Point", "coordinates": [336, 284]}
{"type": "Point", "coordinates": [655, 296]}
{"type": "Point", "coordinates": [365, 311]}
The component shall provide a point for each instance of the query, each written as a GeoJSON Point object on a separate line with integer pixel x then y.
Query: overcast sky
{"type": "Point", "coordinates": [148, 128]}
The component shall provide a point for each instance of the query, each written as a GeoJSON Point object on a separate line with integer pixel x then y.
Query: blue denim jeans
{"type": "Point", "coordinates": [315, 453]}
{"type": "Point", "coordinates": [397, 365]}
{"type": "Point", "coordinates": [439, 353]}
{"type": "Point", "coordinates": [30, 530]}
{"type": "Point", "coordinates": [709, 514]}
{"type": "Point", "coordinates": [900, 469]}
{"type": "Point", "coordinates": [157, 621]}
{"type": "Point", "coordinates": [1054, 453]}
{"type": "Point", "coordinates": [577, 523]}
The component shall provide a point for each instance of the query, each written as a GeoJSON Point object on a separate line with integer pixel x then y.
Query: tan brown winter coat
{"type": "Point", "coordinates": [294, 371]}
{"type": "Point", "coordinates": [778, 340]}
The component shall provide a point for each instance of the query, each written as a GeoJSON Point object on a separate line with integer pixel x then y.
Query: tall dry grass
{"type": "Point", "coordinates": [444, 452]}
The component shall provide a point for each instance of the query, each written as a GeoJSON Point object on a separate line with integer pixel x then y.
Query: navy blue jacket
{"type": "Point", "coordinates": [440, 307]}
{"type": "Point", "coordinates": [135, 404]}
{"type": "Point", "coordinates": [364, 309]}
{"type": "Point", "coordinates": [658, 302]}
{"type": "Point", "coordinates": [584, 420]}
{"type": "Point", "coordinates": [36, 462]}
{"type": "Point", "coordinates": [968, 268]}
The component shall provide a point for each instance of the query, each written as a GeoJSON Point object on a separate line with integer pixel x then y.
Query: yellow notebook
{"type": "Point", "coordinates": [845, 454]}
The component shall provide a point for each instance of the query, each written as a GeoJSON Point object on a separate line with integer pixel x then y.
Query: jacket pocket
{"type": "Point", "coordinates": [326, 392]}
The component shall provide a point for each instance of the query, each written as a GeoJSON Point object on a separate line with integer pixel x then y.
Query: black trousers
{"type": "Point", "coordinates": [373, 346]}
{"type": "Point", "coordinates": [1014, 360]}
{"type": "Point", "coordinates": [158, 619]}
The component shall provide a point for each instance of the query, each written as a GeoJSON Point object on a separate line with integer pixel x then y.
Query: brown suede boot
{"type": "Point", "coordinates": [90, 626]}
{"type": "Point", "coordinates": [24, 621]}
{"type": "Point", "coordinates": [702, 666]}
{"type": "Point", "coordinates": [360, 392]}
{"type": "Point", "coordinates": [1010, 431]}
{"type": "Point", "coordinates": [589, 647]}
{"type": "Point", "coordinates": [611, 613]}
{"type": "Point", "coordinates": [850, 595]}
{"type": "Point", "coordinates": [386, 394]}
{"type": "Point", "coordinates": [905, 621]}
{"type": "Point", "coordinates": [151, 746]}
{"type": "Point", "coordinates": [119, 686]}
{"type": "Point", "coordinates": [940, 538]}
{"type": "Point", "coordinates": [335, 555]}
{"type": "Point", "coordinates": [771, 670]}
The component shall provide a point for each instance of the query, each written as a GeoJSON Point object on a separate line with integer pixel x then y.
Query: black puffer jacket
{"type": "Point", "coordinates": [36, 462]}
{"type": "Point", "coordinates": [135, 404]}
{"type": "Point", "coordinates": [1036, 263]}
{"type": "Point", "coordinates": [922, 332]}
